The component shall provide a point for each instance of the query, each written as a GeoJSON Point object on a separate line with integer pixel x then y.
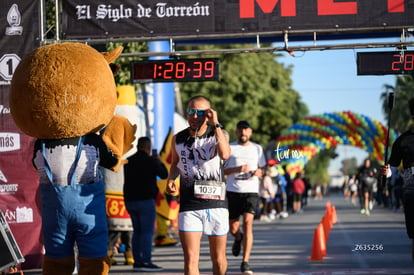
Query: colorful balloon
{"type": "Point", "coordinates": [303, 140]}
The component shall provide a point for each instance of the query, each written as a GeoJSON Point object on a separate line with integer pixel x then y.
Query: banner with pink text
{"type": "Point", "coordinates": [19, 35]}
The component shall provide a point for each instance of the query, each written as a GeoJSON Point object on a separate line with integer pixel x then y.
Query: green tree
{"type": "Point", "coordinates": [316, 169]}
{"type": "Point", "coordinates": [349, 166]}
{"type": "Point", "coordinates": [400, 114]}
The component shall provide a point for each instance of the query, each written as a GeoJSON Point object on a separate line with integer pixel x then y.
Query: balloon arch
{"type": "Point", "coordinates": [303, 140]}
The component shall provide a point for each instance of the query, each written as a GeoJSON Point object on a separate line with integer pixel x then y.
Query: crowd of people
{"type": "Point", "coordinates": [366, 188]}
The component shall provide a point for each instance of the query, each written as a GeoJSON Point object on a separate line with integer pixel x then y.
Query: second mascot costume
{"type": "Point", "coordinates": [63, 95]}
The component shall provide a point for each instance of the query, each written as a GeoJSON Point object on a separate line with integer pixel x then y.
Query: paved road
{"type": "Point", "coordinates": [284, 246]}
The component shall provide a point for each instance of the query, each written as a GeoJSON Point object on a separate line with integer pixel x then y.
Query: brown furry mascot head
{"type": "Point", "coordinates": [68, 90]}
{"type": "Point", "coordinates": [63, 90]}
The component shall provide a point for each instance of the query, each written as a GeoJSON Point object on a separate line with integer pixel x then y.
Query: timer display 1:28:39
{"type": "Point", "coordinates": [175, 70]}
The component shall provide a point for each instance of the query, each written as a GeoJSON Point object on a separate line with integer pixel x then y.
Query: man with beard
{"type": "Point", "coordinates": [243, 170]}
{"type": "Point", "coordinates": [197, 155]}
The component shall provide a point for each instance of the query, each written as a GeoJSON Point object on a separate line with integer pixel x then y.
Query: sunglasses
{"type": "Point", "coordinates": [191, 112]}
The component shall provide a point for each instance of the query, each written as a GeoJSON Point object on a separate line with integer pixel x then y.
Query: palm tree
{"type": "Point", "coordinates": [400, 115]}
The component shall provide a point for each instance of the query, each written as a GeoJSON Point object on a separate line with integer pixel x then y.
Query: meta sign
{"type": "Point", "coordinates": [382, 63]}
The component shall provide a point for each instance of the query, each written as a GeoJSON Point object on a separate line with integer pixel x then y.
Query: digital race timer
{"type": "Point", "coordinates": [175, 70]}
{"type": "Point", "coordinates": [381, 63]}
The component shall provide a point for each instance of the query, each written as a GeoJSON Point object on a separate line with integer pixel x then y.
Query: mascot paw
{"type": "Point", "coordinates": [119, 136]}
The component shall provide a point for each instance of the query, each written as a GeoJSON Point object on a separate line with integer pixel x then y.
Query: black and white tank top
{"type": "Point", "coordinates": [198, 160]}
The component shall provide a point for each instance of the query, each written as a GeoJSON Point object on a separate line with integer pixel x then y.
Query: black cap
{"type": "Point", "coordinates": [243, 124]}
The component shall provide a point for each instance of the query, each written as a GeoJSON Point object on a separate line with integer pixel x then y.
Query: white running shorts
{"type": "Point", "coordinates": [212, 222]}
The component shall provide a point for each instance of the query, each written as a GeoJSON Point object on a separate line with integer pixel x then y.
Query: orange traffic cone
{"type": "Point", "coordinates": [334, 218]}
{"type": "Point", "coordinates": [319, 245]}
{"type": "Point", "coordinates": [328, 210]}
{"type": "Point", "coordinates": [328, 204]}
{"type": "Point", "coordinates": [327, 226]}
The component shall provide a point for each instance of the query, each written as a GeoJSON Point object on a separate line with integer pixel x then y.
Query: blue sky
{"type": "Point", "coordinates": [328, 82]}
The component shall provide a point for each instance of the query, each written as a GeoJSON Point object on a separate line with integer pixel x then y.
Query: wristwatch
{"type": "Point", "coordinates": [219, 125]}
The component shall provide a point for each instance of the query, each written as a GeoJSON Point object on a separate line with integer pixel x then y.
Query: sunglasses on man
{"type": "Point", "coordinates": [191, 111]}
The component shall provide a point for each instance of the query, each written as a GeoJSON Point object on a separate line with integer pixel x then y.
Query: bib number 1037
{"type": "Point", "coordinates": [212, 190]}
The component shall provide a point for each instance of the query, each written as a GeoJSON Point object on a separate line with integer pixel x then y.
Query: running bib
{"type": "Point", "coordinates": [209, 189]}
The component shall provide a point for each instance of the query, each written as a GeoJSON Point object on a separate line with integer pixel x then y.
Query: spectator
{"type": "Point", "coordinates": [267, 195]}
{"type": "Point", "coordinates": [298, 188]}
{"type": "Point", "coordinates": [353, 187]}
{"type": "Point", "coordinates": [289, 192]}
{"type": "Point", "coordinates": [305, 194]}
{"type": "Point", "coordinates": [119, 221]}
{"type": "Point", "coordinates": [397, 189]}
{"type": "Point", "coordinates": [140, 191]}
{"type": "Point", "coordinates": [318, 192]}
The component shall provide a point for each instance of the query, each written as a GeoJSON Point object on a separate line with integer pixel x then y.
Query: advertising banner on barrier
{"type": "Point", "coordinates": [151, 18]}
{"type": "Point", "coordinates": [19, 35]}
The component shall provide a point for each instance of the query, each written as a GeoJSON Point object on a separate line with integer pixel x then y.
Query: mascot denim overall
{"type": "Point", "coordinates": [74, 214]}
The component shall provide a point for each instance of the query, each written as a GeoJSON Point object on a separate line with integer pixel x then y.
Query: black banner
{"type": "Point", "coordinates": [19, 35]}
{"type": "Point", "coordinates": [149, 18]}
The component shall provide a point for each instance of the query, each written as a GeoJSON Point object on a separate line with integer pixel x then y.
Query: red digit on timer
{"type": "Point", "coordinates": [154, 75]}
{"type": "Point", "coordinates": [198, 68]}
{"type": "Point", "coordinates": [209, 67]}
{"type": "Point", "coordinates": [168, 73]}
{"type": "Point", "coordinates": [180, 70]}
{"type": "Point", "coordinates": [408, 62]}
{"type": "Point", "coordinates": [396, 65]}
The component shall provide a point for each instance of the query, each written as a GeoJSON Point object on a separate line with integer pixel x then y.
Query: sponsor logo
{"type": "Point", "coordinates": [159, 10]}
{"type": "Point", "coordinates": [9, 188]}
{"type": "Point", "coordinates": [19, 215]}
{"type": "Point", "coordinates": [3, 177]}
{"type": "Point", "coordinates": [9, 142]}
{"type": "Point", "coordinates": [8, 64]}
{"type": "Point", "coordinates": [284, 153]}
{"type": "Point", "coordinates": [14, 19]}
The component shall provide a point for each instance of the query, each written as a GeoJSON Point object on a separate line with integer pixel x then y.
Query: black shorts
{"type": "Point", "coordinates": [240, 203]}
{"type": "Point", "coordinates": [408, 201]}
{"type": "Point", "coordinates": [297, 197]}
{"type": "Point", "coordinates": [367, 188]}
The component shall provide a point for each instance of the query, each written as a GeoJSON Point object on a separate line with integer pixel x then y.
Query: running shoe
{"type": "Point", "coordinates": [147, 267]}
{"type": "Point", "coordinates": [370, 205]}
{"type": "Point", "coordinates": [236, 248]}
{"type": "Point", "coordinates": [245, 268]}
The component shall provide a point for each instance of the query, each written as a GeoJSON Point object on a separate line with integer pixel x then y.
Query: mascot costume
{"type": "Point", "coordinates": [119, 221]}
{"type": "Point", "coordinates": [64, 94]}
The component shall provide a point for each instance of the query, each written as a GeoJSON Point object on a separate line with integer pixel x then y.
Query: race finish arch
{"type": "Point", "coordinates": [211, 21]}
{"type": "Point", "coordinates": [303, 140]}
